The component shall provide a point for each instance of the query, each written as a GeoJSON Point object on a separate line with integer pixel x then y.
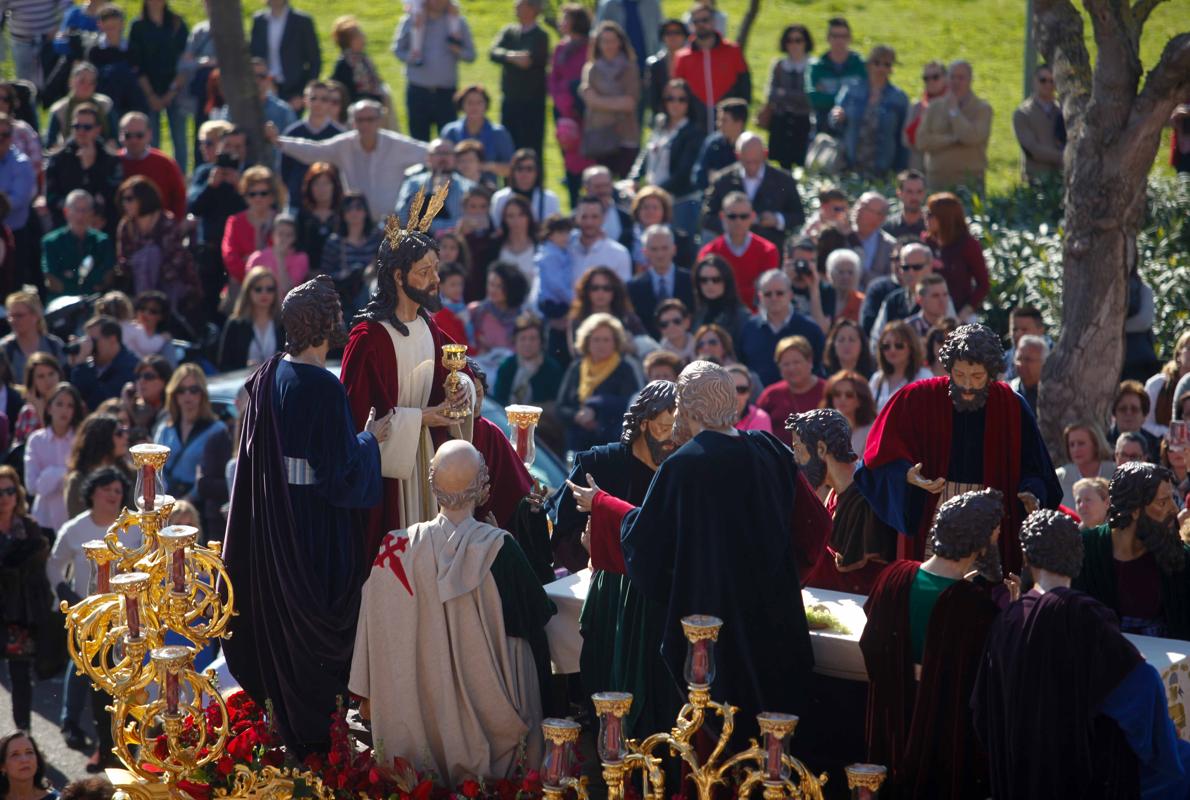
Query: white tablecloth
{"type": "Point", "coordinates": [838, 654]}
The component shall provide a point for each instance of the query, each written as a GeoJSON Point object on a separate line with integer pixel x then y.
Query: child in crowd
{"type": "Point", "coordinates": [453, 318]}
{"type": "Point", "coordinates": [555, 278]}
{"type": "Point", "coordinates": [417, 10]}
{"type": "Point", "coordinates": [283, 252]}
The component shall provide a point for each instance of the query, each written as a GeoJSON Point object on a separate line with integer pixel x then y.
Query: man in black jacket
{"type": "Point", "coordinates": [285, 38]}
{"type": "Point", "coordinates": [523, 51]}
{"type": "Point", "coordinates": [661, 281]}
{"type": "Point", "coordinates": [772, 190]}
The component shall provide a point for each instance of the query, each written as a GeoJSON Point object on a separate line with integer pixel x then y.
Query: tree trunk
{"type": "Point", "coordinates": [745, 28]}
{"type": "Point", "coordinates": [1113, 131]}
{"type": "Point", "coordinates": [236, 79]}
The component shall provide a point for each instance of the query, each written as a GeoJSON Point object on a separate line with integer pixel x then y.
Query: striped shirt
{"type": "Point", "coordinates": [28, 19]}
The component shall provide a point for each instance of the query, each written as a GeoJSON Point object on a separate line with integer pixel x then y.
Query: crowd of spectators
{"type": "Point", "coordinates": [688, 235]}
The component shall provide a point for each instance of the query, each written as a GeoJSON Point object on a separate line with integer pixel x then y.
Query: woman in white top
{"type": "Point", "coordinates": [517, 244]}
{"type": "Point", "coordinates": [46, 453]}
{"type": "Point", "coordinates": [524, 179]}
{"type": "Point", "coordinates": [901, 362]}
{"type": "Point", "coordinates": [1160, 387]}
{"type": "Point", "coordinates": [1087, 456]}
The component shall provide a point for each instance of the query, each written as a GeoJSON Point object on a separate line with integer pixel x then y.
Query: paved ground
{"type": "Point", "coordinates": [65, 764]}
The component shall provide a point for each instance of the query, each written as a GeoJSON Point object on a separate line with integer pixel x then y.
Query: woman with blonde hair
{"type": "Point", "coordinates": [199, 443]}
{"type": "Point", "coordinates": [610, 89]}
{"type": "Point", "coordinates": [26, 317]}
{"type": "Point", "coordinates": [1091, 501]}
{"type": "Point", "coordinates": [1088, 455]}
{"type": "Point", "coordinates": [1160, 387]}
{"type": "Point", "coordinates": [251, 229]}
{"type": "Point", "coordinates": [254, 332]}
{"type": "Point", "coordinates": [901, 362]}
{"type": "Point", "coordinates": [597, 385]}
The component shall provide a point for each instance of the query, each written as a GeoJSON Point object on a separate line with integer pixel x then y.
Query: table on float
{"type": "Point", "coordinates": [837, 654]}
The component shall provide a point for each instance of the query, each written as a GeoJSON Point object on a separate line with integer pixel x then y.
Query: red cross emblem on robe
{"type": "Point", "coordinates": [390, 556]}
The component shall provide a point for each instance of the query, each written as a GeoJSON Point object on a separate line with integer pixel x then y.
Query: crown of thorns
{"type": "Point", "coordinates": [421, 214]}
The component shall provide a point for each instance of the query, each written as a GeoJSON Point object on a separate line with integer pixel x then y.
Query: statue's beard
{"type": "Point", "coordinates": [814, 470]}
{"type": "Point", "coordinates": [1160, 537]}
{"type": "Point", "coordinates": [963, 404]}
{"type": "Point", "coordinates": [659, 449]}
{"type": "Point", "coordinates": [427, 300]}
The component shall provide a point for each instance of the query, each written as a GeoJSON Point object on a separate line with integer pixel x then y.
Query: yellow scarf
{"type": "Point", "coordinates": [590, 375]}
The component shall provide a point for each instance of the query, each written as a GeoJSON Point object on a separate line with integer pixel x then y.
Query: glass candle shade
{"type": "Point", "coordinates": [176, 538]}
{"type": "Point", "coordinates": [864, 780]}
{"type": "Point", "coordinates": [131, 585]}
{"type": "Point", "coordinates": [775, 730]}
{"type": "Point", "coordinates": [560, 738]}
{"type": "Point", "coordinates": [611, 707]}
{"type": "Point", "coordinates": [170, 661]}
{"type": "Point", "coordinates": [701, 632]}
{"type": "Point", "coordinates": [522, 421]}
{"type": "Point", "coordinates": [149, 460]}
{"type": "Point", "coordinates": [101, 558]}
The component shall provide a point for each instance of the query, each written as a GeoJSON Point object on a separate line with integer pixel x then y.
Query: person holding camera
{"type": "Point", "coordinates": [101, 364]}
{"type": "Point", "coordinates": [812, 294]}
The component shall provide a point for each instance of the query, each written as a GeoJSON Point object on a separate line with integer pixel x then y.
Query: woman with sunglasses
{"type": "Point", "coordinates": [150, 246]}
{"type": "Point", "coordinates": [102, 441]}
{"type": "Point", "coordinates": [253, 332]}
{"type": "Point", "coordinates": [900, 362]}
{"type": "Point", "coordinates": [251, 229]}
{"type": "Point", "coordinates": [934, 85]}
{"type": "Point", "coordinates": [524, 179]}
{"type": "Point", "coordinates": [751, 416]}
{"type": "Point", "coordinates": [871, 114]}
{"type": "Point", "coordinates": [668, 158]}
{"type": "Point", "coordinates": [143, 400]}
{"type": "Point", "coordinates": [599, 290]}
{"type": "Point", "coordinates": [43, 373]}
{"type": "Point", "coordinates": [716, 299]}
{"type": "Point", "coordinates": [199, 444]}
{"type": "Point", "coordinates": [47, 455]}
{"type": "Point", "coordinates": [348, 254]}
{"type": "Point", "coordinates": [789, 123]}
{"type": "Point", "coordinates": [848, 393]}
{"type": "Point", "coordinates": [30, 334]}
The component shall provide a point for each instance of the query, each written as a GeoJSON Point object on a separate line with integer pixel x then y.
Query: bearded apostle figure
{"type": "Point", "coordinates": [450, 653]}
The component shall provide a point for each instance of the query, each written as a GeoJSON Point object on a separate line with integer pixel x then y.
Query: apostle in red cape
{"type": "Point", "coordinates": [727, 528]}
{"type": "Point", "coordinates": [393, 361]}
{"type": "Point", "coordinates": [941, 437]}
{"type": "Point", "coordinates": [861, 544]}
{"type": "Point", "coordinates": [293, 547]}
{"type": "Point", "coordinates": [929, 616]}
{"type": "Point", "coordinates": [1064, 703]}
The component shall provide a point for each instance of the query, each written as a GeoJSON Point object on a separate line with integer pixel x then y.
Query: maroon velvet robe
{"type": "Point", "coordinates": [925, 738]}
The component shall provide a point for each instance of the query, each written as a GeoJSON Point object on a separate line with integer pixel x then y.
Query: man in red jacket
{"type": "Point", "coordinates": [138, 158]}
{"type": "Point", "coordinates": [714, 67]}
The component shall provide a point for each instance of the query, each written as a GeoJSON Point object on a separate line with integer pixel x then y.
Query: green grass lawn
{"type": "Point", "coordinates": [988, 33]}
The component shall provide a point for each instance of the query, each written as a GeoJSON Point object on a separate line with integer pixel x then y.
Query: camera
{"type": "Point", "coordinates": [227, 160]}
{"type": "Point", "coordinates": [72, 348]}
{"type": "Point", "coordinates": [803, 267]}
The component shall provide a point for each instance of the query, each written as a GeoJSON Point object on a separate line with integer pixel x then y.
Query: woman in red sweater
{"type": "Point", "coordinates": [799, 388]}
{"type": "Point", "coordinates": [251, 230]}
{"type": "Point", "coordinates": [963, 266]}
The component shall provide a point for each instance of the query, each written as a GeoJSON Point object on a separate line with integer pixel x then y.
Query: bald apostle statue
{"type": "Point", "coordinates": [450, 650]}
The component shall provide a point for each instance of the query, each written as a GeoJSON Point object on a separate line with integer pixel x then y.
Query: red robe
{"type": "Point", "coordinates": [915, 427]}
{"type": "Point", "coordinates": [925, 738]}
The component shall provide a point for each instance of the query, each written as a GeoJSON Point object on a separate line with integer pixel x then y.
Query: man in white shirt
{"type": "Point", "coordinates": [617, 224]}
{"type": "Point", "coordinates": [590, 246]}
{"type": "Point", "coordinates": [371, 160]}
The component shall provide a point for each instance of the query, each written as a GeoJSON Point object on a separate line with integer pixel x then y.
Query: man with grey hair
{"type": "Point", "coordinates": [662, 280]}
{"type": "Point", "coordinates": [370, 159]}
{"type": "Point", "coordinates": [617, 223]}
{"type": "Point", "coordinates": [679, 553]}
{"type": "Point", "coordinates": [1057, 654]}
{"type": "Point", "coordinates": [440, 168]}
{"type": "Point", "coordinates": [1028, 359]}
{"type": "Point", "coordinates": [452, 622]}
{"type": "Point", "coordinates": [771, 190]}
{"type": "Point", "coordinates": [954, 135]}
{"type": "Point", "coordinates": [875, 247]}
{"type": "Point", "coordinates": [776, 319]}
{"type": "Point", "coordinates": [901, 303]}
{"type": "Point", "coordinates": [77, 258]}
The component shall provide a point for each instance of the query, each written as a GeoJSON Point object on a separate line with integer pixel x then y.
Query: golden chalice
{"type": "Point", "coordinates": [454, 358]}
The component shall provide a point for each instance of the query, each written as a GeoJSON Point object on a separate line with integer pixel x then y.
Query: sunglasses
{"type": "Point", "coordinates": [264, 290]}
{"type": "Point", "coordinates": [599, 287]}
{"type": "Point", "coordinates": [676, 98]}
{"type": "Point", "coordinates": [1045, 80]}
{"type": "Point", "coordinates": [795, 40]}
{"type": "Point", "coordinates": [524, 168]}
{"type": "Point", "coordinates": [711, 279]}
{"type": "Point", "coordinates": [881, 63]}
{"type": "Point", "coordinates": [260, 193]}
{"type": "Point", "coordinates": [82, 126]}
{"type": "Point", "coordinates": [8, 491]}
{"type": "Point", "coordinates": [737, 216]}
{"type": "Point", "coordinates": [133, 134]}
{"type": "Point", "coordinates": [886, 346]}
{"type": "Point", "coordinates": [915, 265]}
{"type": "Point", "coordinates": [189, 390]}
{"type": "Point", "coordinates": [122, 431]}
{"type": "Point", "coordinates": [932, 76]}
{"type": "Point", "coordinates": [670, 323]}
{"type": "Point", "coordinates": [774, 293]}
{"type": "Point", "coordinates": [743, 389]}
{"type": "Point", "coordinates": [148, 376]}
{"type": "Point", "coordinates": [708, 343]}
{"type": "Point", "coordinates": [702, 20]}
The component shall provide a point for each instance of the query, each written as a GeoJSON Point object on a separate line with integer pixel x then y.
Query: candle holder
{"type": "Point", "coordinates": [766, 765]}
{"type": "Point", "coordinates": [561, 738]}
{"type": "Point", "coordinates": [522, 421]}
{"type": "Point", "coordinates": [865, 780]}
{"type": "Point", "coordinates": [454, 358]}
{"type": "Point", "coordinates": [168, 583]}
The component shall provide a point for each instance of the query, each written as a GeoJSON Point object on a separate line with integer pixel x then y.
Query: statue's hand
{"type": "Point", "coordinates": [1030, 501]}
{"type": "Point", "coordinates": [1013, 584]}
{"type": "Point", "coordinates": [915, 478]}
{"type": "Point", "coordinates": [584, 496]}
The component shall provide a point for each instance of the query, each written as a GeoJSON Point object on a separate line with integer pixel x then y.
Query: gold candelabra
{"type": "Point", "coordinates": [454, 358]}
{"type": "Point", "coordinates": [766, 764]}
{"type": "Point", "coordinates": [116, 636]}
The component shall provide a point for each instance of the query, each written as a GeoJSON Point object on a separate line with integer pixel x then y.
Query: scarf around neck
{"type": "Point", "coordinates": [591, 375]}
